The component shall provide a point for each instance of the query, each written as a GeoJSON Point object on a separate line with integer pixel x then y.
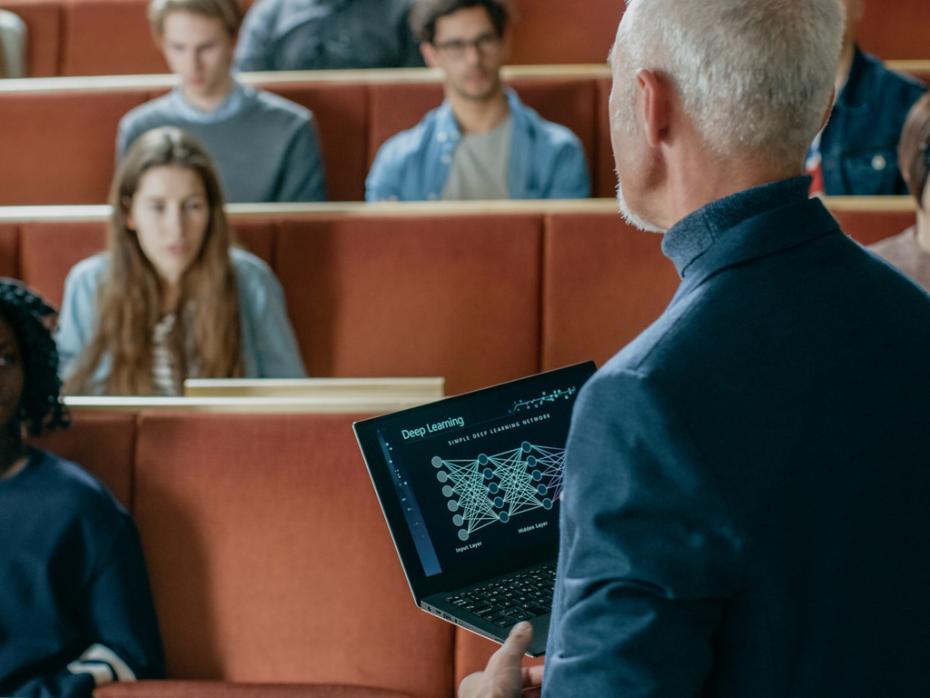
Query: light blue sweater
{"type": "Point", "coordinates": [269, 349]}
{"type": "Point", "coordinates": [547, 160]}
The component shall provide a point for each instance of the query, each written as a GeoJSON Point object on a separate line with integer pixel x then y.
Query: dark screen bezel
{"type": "Point", "coordinates": [420, 584]}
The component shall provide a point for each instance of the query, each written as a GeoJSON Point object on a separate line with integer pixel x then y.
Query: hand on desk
{"type": "Point", "coordinates": [505, 677]}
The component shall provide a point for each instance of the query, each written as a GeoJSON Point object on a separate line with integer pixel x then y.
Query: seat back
{"type": "Point", "coordinates": [445, 295]}
{"type": "Point", "coordinates": [269, 556]}
{"type": "Point", "coordinates": [604, 283]}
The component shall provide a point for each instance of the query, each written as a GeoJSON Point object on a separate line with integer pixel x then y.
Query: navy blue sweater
{"type": "Point", "coordinates": [75, 605]}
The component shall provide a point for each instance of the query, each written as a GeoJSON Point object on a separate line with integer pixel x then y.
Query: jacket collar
{"type": "Point", "coordinates": [446, 122]}
{"type": "Point", "coordinates": [750, 224]}
{"type": "Point", "coordinates": [230, 106]}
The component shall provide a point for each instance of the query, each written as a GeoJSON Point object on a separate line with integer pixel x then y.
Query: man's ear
{"type": "Point", "coordinates": [655, 106]}
{"type": "Point", "coordinates": [430, 57]}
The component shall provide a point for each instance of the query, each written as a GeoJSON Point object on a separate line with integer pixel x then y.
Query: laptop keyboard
{"type": "Point", "coordinates": [508, 600]}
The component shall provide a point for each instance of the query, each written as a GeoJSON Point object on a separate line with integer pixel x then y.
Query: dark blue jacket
{"type": "Point", "coordinates": [746, 509]}
{"type": "Point", "coordinates": [859, 146]}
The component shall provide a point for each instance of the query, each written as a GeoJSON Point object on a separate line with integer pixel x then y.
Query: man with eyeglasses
{"type": "Point", "coordinates": [482, 142]}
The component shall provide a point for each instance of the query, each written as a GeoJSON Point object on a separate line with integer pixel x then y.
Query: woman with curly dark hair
{"type": "Point", "coordinates": [75, 607]}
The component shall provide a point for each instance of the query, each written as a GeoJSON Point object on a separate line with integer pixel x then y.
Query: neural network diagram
{"type": "Point", "coordinates": [495, 488]}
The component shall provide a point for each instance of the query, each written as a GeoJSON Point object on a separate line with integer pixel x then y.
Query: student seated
{"type": "Point", "coordinates": [171, 298]}
{"type": "Point", "coordinates": [76, 611]}
{"type": "Point", "coordinates": [482, 142]}
{"type": "Point", "coordinates": [910, 251]}
{"type": "Point", "coordinates": [266, 147]}
{"type": "Point", "coordinates": [326, 35]}
{"type": "Point", "coordinates": [12, 45]}
{"type": "Point", "coordinates": [856, 153]}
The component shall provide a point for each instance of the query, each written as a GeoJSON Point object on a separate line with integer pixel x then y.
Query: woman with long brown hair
{"type": "Point", "coordinates": [171, 297]}
{"type": "Point", "coordinates": [910, 250]}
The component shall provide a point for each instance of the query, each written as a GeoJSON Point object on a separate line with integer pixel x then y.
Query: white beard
{"type": "Point", "coordinates": [632, 218]}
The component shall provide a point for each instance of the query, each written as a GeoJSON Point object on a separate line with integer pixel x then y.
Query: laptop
{"type": "Point", "coordinates": [470, 489]}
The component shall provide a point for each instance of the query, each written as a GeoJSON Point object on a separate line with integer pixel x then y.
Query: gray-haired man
{"type": "Point", "coordinates": [746, 484]}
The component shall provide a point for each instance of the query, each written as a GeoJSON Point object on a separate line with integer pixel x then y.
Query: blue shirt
{"type": "Point", "coordinates": [546, 160]}
{"type": "Point", "coordinates": [744, 510]}
{"type": "Point", "coordinates": [269, 349]}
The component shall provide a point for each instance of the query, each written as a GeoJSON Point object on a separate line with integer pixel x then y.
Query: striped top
{"type": "Point", "coordinates": [165, 379]}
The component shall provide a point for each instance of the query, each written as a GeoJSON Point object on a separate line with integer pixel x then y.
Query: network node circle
{"type": "Point", "coordinates": [497, 488]}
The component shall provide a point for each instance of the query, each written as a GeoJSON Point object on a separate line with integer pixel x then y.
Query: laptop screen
{"type": "Point", "coordinates": [470, 485]}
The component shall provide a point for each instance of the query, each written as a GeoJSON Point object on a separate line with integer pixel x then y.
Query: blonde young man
{"type": "Point", "coordinates": [265, 147]}
{"type": "Point", "coordinates": [744, 510]}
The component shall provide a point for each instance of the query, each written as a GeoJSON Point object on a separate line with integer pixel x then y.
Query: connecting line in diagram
{"type": "Point", "coordinates": [495, 488]}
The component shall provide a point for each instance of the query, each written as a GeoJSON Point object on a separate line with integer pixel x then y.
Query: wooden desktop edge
{"type": "Point", "coordinates": [361, 389]}
{"type": "Point", "coordinates": [373, 76]}
{"type": "Point", "coordinates": [100, 212]}
{"type": "Point", "coordinates": [244, 405]}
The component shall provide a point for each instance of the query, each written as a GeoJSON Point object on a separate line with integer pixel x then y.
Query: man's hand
{"type": "Point", "coordinates": [505, 677]}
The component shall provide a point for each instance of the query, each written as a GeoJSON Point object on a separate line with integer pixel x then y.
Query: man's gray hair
{"type": "Point", "coordinates": [755, 76]}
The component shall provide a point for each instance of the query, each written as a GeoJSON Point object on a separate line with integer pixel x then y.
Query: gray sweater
{"type": "Point", "coordinates": [265, 147]}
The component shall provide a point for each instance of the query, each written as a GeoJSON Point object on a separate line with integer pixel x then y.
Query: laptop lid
{"type": "Point", "coordinates": [470, 485]}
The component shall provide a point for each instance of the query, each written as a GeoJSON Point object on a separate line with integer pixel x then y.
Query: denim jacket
{"type": "Point", "coordinates": [859, 146]}
{"type": "Point", "coordinates": [269, 349]}
{"type": "Point", "coordinates": [546, 160]}
{"type": "Point", "coordinates": [327, 35]}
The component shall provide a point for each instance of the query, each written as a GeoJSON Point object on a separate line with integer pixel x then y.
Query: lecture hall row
{"type": "Point", "coordinates": [53, 160]}
{"type": "Point", "coordinates": [262, 576]}
{"type": "Point", "coordinates": [106, 37]}
{"type": "Point", "coordinates": [475, 292]}
{"type": "Point", "coordinates": [274, 570]}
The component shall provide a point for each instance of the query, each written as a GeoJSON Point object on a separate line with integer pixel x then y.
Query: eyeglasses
{"type": "Point", "coordinates": [458, 48]}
